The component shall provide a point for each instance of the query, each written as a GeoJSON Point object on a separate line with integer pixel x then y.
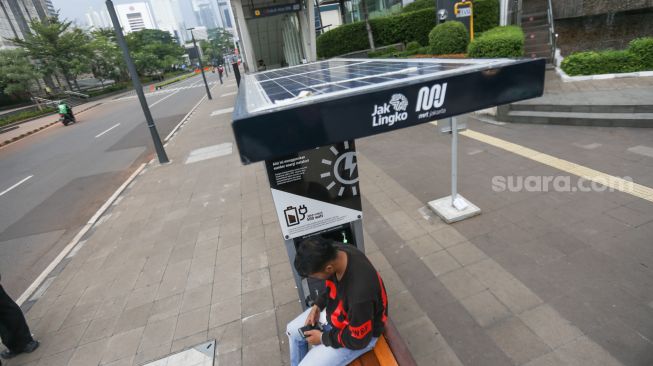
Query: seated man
{"type": "Point", "coordinates": [355, 302]}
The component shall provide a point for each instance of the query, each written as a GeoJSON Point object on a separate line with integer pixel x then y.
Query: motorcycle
{"type": "Point", "coordinates": [66, 119]}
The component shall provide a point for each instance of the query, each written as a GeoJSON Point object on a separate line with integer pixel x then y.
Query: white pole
{"type": "Point", "coordinates": [503, 12]}
{"type": "Point", "coordinates": [454, 159]}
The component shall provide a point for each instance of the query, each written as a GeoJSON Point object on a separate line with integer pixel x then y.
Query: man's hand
{"type": "Point", "coordinates": [313, 337]}
{"type": "Point", "coordinates": [313, 316]}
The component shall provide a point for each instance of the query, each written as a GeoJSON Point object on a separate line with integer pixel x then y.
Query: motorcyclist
{"type": "Point", "coordinates": [66, 110]}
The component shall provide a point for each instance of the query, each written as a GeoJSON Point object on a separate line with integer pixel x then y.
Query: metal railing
{"type": "Point", "coordinates": [553, 36]}
{"type": "Point", "coordinates": [76, 94]}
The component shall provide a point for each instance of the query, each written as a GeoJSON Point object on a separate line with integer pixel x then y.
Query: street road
{"type": "Point", "coordinates": [54, 181]}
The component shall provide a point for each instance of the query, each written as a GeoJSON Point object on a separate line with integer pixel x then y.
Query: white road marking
{"type": "Point", "coordinates": [110, 128]}
{"type": "Point", "coordinates": [228, 94]}
{"type": "Point", "coordinates": [15, 185]}
{"type": "Point", "coordinates": [162, 99]}
{"type": "Point", "coordinates": [221, 111]}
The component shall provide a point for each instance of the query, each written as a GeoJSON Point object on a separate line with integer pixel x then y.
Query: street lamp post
{"type": "Point", "coordinates": [138, 87]}
{"type": "Point", "coordinates": [199, 58]}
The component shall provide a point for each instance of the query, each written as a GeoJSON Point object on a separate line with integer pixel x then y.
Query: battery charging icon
{"type": "Point", "coordinates": [292, 216]}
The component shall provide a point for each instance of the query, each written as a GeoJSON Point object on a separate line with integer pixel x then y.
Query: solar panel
{"type": "Point", "coordinates": [297, 108]}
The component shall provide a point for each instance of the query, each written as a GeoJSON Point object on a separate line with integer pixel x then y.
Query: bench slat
{"type": "Point", "coordinates": [383, 353]}
{"type": "Point", "coordinates": [369, 359]}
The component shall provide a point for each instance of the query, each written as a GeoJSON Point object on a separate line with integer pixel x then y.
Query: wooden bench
{"type": "Point", "coordinates": [390, 350]}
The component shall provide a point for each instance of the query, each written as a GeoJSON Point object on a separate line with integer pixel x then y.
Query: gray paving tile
{"type": "Point", "coordinates": [234, 358]}
{"type": "Point", "coordinates": [189, 342]}
{"type": "Point", "coordinates": [229, 337]}
{"type": "Point", "coordinates": [441, 262]}
{"type": "Point", "coordinates": [61, 341]}
{"type": "Point", "coordinates": [133, 318]}
{"type": "Point", "coordinates": [225, 312]}
{"type": "Point", "coordinates": [122, 345]}
{"type": "Point", "coordinates": [99, 328]}
{"type": "Point", "coordinates": [424, 245]}
{"type": "Point", "coordinates": [59, 359]}
{"type": "Point", "coordinates": [256, 280]}
{"type": "Point", "coordinates": [517, 341]}
{"type": "Point", "coordinates": [548, 325]}
{"type": "Point", "coordinates": [284, 292]}
{"type": "Point", "coordinates": [466, 253]}
{"type": "Point", "coordinates": [257, 301]}
{"type": "Point", "coordinates": [583, 351]}
{"type": "Point", "coordinates": [88, 354]}
{"type": "Point", "coordinates": [266, 352]}
{"type": "Point", "coordinates": [196, 298]}
{"type": "Point", "coordinates": [158, 333]}
{"type": "Point", "coordinates": [462, 284]}
{"type": "Point", "coordinates": [485, 308]}
{"type": "Point", "coordinates": [422, 337]}
{"type": "Point", "coordinates": [259, 327]}
{"type": "Point", "coordinates": [165, 308]}
{"type": "Point", "coordinates": [192, 322]}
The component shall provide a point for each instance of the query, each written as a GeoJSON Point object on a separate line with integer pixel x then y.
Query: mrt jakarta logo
{"type": "Point", "coordinates": [383, 115]}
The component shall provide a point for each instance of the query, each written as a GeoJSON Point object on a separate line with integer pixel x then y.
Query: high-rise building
{"type": "Point", "coordinates": [205, 13]}
{"type": "Point", "coordinates": [98, 19]}
{"type": "Point", "coordinates": [15, 16]}
{"type": "Point", "coordinates": [168, 17]}
{"type": "Point", "coordinates": [135, 16]}
{"type": "Point", "coordinates": [49, 8]}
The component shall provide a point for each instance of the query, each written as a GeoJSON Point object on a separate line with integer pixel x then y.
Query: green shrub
{"type": "Point", "coordinates": [344, 39]}
{"type": "Point", "coordinates": [419, 5]}
{"type": "Point", "coordinates": [413, 45]}
{"type": "Point", "coordinates": [604, 62]}
{"type": "Point", "coordinates": [414, 26]}
{"type": "Point", "coordinates": [486, 15]}
{"type": "Point", "coordinates": [25, 115]}
{"type": "Point", "coordinates": [643, 48]}
{"type": "Point", "coordinates": [505, 41]}
{"type": "Point", "coordinates": [447, 38]}
{"type": "Point", "coordinates": [382, 52]}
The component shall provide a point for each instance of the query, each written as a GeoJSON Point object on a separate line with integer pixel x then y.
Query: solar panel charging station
{"type": "Point", "coordinates": [303, 122]}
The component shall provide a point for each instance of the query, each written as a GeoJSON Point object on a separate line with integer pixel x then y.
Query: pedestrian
{"type": "Point", "coordinates": [354, 305]}
{"type": "Point", "coordinates": [14, 332]}
{"type": "Point", "coordinates": [220, 71]}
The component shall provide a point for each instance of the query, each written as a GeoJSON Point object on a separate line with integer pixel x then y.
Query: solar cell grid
{"type": "Point", "coordinates": [338, 75]}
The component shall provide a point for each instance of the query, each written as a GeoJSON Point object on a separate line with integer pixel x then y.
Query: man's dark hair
{"type": "Point", "coordinates": [313, 254]}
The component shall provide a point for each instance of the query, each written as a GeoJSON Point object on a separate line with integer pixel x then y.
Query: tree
{"type": "Point", "coordinates": [368, 27]}
{"type": "Point", "coordinates": [219, 44]}
{"type": "Point", "coordinates": [56, 47]}
{"type": "Point", "coordinates": [17, 73]}
{"type": "Point", "coordinates": [106, 59]}
{"type": "Point", "coordinates": [154, 51]}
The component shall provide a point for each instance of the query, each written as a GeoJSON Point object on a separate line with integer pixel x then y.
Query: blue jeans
{"type": "Point", "coordinates": [319, 355]}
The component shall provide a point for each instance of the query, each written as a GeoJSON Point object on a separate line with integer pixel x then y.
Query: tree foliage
{"type": "Point", "coordinates": [219, 44]}
{"type": "Point", "coordinates": [154, 51]}
{"type": "Point", "coordinates": [106, 60]}
{"type": "Point", "coordinates": [17, 73]}
{"type": "Point", "coordinates": [57, 47]}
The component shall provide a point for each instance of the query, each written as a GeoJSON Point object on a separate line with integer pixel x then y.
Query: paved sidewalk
{"type": "Point", "coordinates": [193, 251]}
{"type": "Point", "coordinates": [619, 91]}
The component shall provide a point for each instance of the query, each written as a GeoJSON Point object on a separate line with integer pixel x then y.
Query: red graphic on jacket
{"type": "Point", "coordinates": [357, 305]}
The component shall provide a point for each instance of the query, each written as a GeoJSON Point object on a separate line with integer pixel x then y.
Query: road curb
{"type": "Point", "coordinates": [80, 234]}
{"type": "Point", "coordinates": [39, 281]}
{"type": "Point", "coordinates": [31, 132]}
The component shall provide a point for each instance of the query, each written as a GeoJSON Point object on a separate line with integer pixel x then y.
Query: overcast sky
{"type": "Point", "coordinates": [75, 9]}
